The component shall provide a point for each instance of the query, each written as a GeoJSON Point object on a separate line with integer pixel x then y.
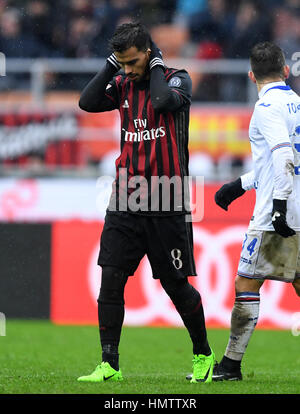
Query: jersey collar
{"type": "Point", "coordinates": [273, 85]}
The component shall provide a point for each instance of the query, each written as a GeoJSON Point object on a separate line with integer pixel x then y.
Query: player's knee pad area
{"type": "Point", "coordinates": [183, 295]}
{"type": "Point", "coordinates": [112, 285]}
{"type": "Point", "coordinates": [111, 296]}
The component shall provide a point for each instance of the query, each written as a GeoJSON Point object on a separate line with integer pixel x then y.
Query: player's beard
{"type": "Point", "coordinates": [142, 77]}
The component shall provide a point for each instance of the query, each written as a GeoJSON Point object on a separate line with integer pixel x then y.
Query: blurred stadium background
{"type": "Point", "coordinates": [52, 204]}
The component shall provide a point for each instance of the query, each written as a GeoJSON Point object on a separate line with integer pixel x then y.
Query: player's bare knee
{"type": "Point", "coordinates": [244, 284]}
{"type": "Point", "coordinates": [296, 285]}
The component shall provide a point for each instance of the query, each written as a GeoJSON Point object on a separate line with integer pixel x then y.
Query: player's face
{"type": "Point", "coordinates": [134, 62]}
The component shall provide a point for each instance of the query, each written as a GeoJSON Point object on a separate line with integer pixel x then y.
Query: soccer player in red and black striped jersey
{"type": "Point", "coordinates": [148, 206]}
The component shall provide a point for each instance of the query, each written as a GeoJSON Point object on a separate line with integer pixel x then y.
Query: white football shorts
{"type": "Point", "coordinates": [267, 255]}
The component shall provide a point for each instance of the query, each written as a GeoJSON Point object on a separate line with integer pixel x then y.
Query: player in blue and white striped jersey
{"type": "Point", "coordinates": [271, 248]}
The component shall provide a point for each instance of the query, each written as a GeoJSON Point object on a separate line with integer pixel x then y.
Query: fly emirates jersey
{"type": "Point", "coordinates": [274, 133]}
{"type": "Point", "coordinates": [154, 147]}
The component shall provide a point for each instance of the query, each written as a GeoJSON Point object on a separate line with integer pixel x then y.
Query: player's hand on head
{"type": "Point", "coordinates": [228, 193]}
{"type": "Point", "coordinates": [112, 60]}
{"type": "Point", "coordinates": [279, 219]}
{"type": "Point", "coordinates": [156, 57]}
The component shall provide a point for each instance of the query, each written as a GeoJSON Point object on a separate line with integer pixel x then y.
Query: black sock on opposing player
{"type": "Point", "coordinates": [230, 364]}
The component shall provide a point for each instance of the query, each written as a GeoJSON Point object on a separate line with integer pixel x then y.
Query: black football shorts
{"type": "Point", "coordinates": [167, 242]}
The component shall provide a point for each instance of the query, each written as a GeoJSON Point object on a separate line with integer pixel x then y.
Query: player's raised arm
{"type": "Point", "coordinates": [100, 93]}
{"type": "Point", "coordinates": [164, 95]}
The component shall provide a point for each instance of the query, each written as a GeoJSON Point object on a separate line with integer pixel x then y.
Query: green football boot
{"type": "Point", "coordinates": [203, 368]}
{"type": "Point", "coordinates": [103, 372]}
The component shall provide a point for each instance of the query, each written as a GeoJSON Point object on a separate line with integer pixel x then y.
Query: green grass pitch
{"type": "Point", "coordinates": [38, 357]}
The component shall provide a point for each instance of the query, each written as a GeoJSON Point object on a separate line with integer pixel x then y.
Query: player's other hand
{"type": "Point", "coordinates": [279, 219]}
{"type": "Point", "coordinates": [229, 192]}
{"type": "Point", "coordinates": [155, 58]}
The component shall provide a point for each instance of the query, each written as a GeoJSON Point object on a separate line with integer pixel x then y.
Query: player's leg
{"type": "Point", "coordinates": [121, 248]}
{"type": "Point", "coordinates": [110, 316]}
{"type": "Point", "coordinates": [111, 312]}
{"type": "Point", "coordinates": [170, 252]}
{"type": "Point", "coordinates": [296, 281]}
{"type": "Point", "coordinates": [244, 317]}
{"type": "Point", "coordinates": [245, 311]}
{"type": "Point", "coordinates": [265, 255]}
{"type": "Point", "coordinates": [187, 301]}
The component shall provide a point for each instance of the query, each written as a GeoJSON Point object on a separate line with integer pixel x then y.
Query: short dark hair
{"type": "Point", "coordinates": [129, 35]}
{"type": "Point", "coordinates": [267, 60]}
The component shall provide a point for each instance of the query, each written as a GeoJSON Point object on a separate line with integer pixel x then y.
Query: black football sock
{"type": "Point", "coordinates": [187, 301]}
{"type": "Point", "coordinates": [110, 354]}
{"type": "Point", "coordinates": [230, 364]}
{"type": "Point", "coordinates": [110, 326]}
{"type": "Point", "coordinates": [195, 324]}
{"type": "Point", "coordinates": [111, 313]}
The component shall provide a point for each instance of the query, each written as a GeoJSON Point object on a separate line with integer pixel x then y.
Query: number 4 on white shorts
{"type": "Point", "coordinates": [249, 243]}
